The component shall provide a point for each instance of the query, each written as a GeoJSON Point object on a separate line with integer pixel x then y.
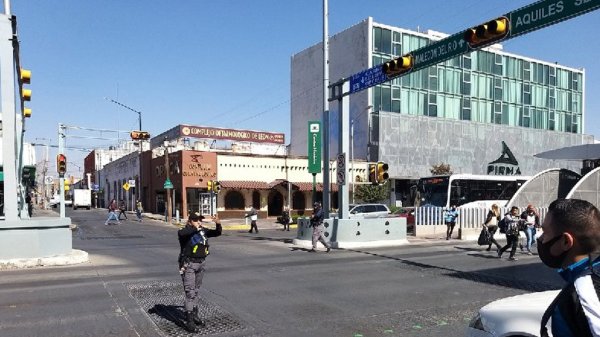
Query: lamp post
{"type": "Point", "coordinates": [352, 147]}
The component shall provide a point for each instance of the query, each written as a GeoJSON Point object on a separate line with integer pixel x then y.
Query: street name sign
{"type": "Point", "coordinates": [168, 184]}
{"type": "Point", "coordinates": [367, 78]}
{"type": "Point", "coordinates": [314, 147]}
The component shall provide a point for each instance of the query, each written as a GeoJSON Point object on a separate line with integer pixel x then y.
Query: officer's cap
{"type": "Point", "coordinates": [195, 217]}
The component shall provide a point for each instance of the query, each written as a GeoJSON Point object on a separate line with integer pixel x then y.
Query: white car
{"type": "Point", "coordinates": [368, 211]}
{"type": "Point", "coordinates": [516, 316]}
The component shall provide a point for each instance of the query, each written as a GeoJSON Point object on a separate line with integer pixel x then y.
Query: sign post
{"type": "Point", "coordinates": [314, 153]}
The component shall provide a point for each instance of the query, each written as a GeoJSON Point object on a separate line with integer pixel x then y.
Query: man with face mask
{"type": "Point", "coordinates": [571, 242]}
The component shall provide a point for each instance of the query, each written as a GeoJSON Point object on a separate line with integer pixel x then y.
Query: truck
{"type": "Point", "coordinates": [82, 198]}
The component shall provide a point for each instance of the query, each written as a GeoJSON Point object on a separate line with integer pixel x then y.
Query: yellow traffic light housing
{"type": "Point", "coordinates": [398, 66]}
{"type": "Point", "coordinates": [26, 112]}
{"type": "Point", "coordinates": [209, 185]}
{"type": "Point", "coordinates": [139, 135]}
{"type": "Point", "coordinates": [373, 174]}
{"type": "Point", "coordinates": [382, 174]}
{"type": "Point", "coordinates": [25, 76]}
{"type": "Point", "coordinates": [61, 164]}
{"type": "Point", "coordinates": [217, 186]}
{"type": "Point", "coordinates": [488, 32]}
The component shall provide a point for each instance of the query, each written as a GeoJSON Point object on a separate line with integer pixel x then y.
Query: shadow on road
{"type": "Point", "coordinates": [172, 313]}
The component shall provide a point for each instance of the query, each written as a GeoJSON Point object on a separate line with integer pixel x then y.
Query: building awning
{"type": "Point", "coordinates": [577, 152]}
{"type": "Point", "coordinates": [301, 186]}
{"type": "Point", "coordinates": [243, 184]}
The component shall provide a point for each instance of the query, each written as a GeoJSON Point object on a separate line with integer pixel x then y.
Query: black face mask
{"type": "Point", "coordinates": [544, 252]}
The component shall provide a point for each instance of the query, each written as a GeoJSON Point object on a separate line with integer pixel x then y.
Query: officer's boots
{"type": "Point", "coordinates": [197, 319]}
{"type": "Point", "coordinates": [190, 324]}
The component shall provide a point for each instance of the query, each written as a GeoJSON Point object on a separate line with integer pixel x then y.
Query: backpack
{"type": "Point", "coordinates": [503, 225]}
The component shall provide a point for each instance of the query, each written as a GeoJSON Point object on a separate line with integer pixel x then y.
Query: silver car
{"type": "Point", "coordinates": [368, 211]}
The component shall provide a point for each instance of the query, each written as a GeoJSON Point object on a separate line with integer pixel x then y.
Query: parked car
{"type": "Point", "coordinates": [514, 316]}
{"type": "Point", "coordinates": [409, 215]}
{"type": "Point", "coordinates": [368, 211]}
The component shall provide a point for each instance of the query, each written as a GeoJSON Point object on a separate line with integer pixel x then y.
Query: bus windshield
{"type": "Point", "coordinates": [434, 191]}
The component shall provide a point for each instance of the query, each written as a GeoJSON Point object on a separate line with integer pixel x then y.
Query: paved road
{"type": "Point", "coordinates": [258, 285]}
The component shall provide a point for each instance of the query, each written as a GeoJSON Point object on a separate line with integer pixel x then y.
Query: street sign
{"type": "Point", "coordinates": [96, 187]}
{"type": "Point", "coordinates": [126, 187]}
{"type": "Point", "coordinates": [131, 183]}
{"type": "Point", "coordinates": [439, 51]}
{"type": "Point", "coordinates": [49, 180]}
{"type": "Point", "coordinates": [341, 169]}
{"type": "Point", "coordinates": [314, 147]}
{"type": "Point", "coordinates": [545, 13]}
{"type": "Point", "coordinates": [168, 184]}
{"type": "Point", "coordinates": [367, 78]}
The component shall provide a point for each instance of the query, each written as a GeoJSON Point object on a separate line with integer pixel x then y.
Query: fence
{"type": "Point", "coordinates": [430, 220]}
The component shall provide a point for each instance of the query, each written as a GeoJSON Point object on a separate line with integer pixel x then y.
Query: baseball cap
{"type": "Point", "coordinates": [195, 217]}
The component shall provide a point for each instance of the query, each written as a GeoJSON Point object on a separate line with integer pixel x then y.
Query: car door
{"type": "Point", "coordinates": [370, 211]}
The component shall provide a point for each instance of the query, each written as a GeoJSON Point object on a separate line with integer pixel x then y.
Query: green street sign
{"type": "Point", "coordinates": [314, 147]}
{"type": "Point", "coordinates": [168, 184]}
{"type": "Point", "coordinates": [545, 13]}
{"type": "Point", "coordinates": [439, 51]}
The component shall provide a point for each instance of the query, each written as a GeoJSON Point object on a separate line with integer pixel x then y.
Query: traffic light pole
{"type": "Point", "coordinates": [344, 147]}
{"type": "Point", "coordinates": [61, 187]}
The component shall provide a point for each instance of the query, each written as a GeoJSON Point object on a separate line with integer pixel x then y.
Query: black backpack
{"type": "Point", "coordinates": [503, 225]}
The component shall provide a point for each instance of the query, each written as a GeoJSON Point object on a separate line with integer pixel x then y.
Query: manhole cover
{"type": "Point", "coordinates": [163, 301]}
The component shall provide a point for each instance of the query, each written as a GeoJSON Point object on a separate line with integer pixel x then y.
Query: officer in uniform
{"type": "Point", "coordinates": [316, 221]}
{"type": "Point", "coordinates": [194, 249]}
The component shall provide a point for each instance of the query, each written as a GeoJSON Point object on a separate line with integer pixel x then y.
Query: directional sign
{"type": "Point", "coordinates": [367, 78]}
{"type": "Point", "coordinates": [439, 51]}
{"type": "Point", "coordinates": [544, 13]}
{"type": "Point", "coordinates": [168, 184]}
{"type": "Point", "coordinates": [126, 187]}
{"type": "Point", "coordinates": [131, 183]}
{"type": "Point", "coordinates": [314, 147]}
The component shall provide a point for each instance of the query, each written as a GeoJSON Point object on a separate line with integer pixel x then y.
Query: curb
{"type": "Point", "coordinates": [75, 257]}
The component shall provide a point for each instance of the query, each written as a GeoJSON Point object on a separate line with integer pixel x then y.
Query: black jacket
{"type": "Point", "coordinates": [194, 242]}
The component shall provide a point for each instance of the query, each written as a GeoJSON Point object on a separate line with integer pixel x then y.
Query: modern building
{"type": "Point", "coordinates": [487, 112]}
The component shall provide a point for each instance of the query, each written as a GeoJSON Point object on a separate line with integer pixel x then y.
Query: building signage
{"type": "Point", "coordinates": [232, 134]}
{"type": "Point", "coordinates": [505, 165]}
{"type": "Point", "coordinates": [314, 147]}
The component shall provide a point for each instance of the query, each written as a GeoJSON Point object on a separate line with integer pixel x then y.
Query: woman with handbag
{"type": "Point", "coordinates": [491, 223]}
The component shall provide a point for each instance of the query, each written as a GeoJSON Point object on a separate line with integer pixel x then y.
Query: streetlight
{"type": "Point", "coordinates": [352, 146]}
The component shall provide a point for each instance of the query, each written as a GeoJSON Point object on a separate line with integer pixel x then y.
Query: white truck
{"type": "Point", "coordinates": [82, 198]}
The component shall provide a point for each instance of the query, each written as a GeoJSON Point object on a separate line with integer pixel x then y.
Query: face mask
{"type": "Point", "coordinates": [544, 252]}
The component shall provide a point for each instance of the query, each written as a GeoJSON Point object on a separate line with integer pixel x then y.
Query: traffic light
{"type": "Point", "coordinates": [487, 33]}
{"type": "Point", "coordinates": [209, 185]}
{"type": "Point", "coordinates": [373, 174]}
{"type": "Point", "coordinates": [398, 66]}
{"type": "Point", "coordinates": [139, 135]}
{"type": "Point", "coordinates": [25, 78]}
{"type": "Point", "coordinates": [217, 186]}
{"type": "Point", "coordinates": [382, 175]}
{"type": "Point", "coordinates": [61, 164]}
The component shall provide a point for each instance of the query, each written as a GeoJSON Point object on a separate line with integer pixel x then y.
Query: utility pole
{"type": "Point", "coordinates": [168, 190]}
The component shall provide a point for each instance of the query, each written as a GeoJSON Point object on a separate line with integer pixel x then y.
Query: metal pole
{"type": "Point", "coordinates": [168, 190]}
{"type": "Point", "coordinates": [326, 178]}
{"type": "Point", "coordinates": [343, 113]}
{"type": "Point", "coordinates": [7, 7]}
{"type": "Point", "coordinates": [352, 158]}
{"type": "Point", "coordinates": [61, 187]}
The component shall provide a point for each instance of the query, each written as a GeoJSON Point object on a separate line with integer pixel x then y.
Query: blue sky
{"type": "Point", "coordinates": [227, 63]}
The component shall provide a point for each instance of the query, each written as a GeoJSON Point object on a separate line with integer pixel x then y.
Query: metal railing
{"type": "Point", "coordinates": [468, 218]}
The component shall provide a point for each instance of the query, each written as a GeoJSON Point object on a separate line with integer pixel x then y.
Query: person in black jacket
{"type": "Point", "coordinates": [193, 240]}
{"type": "Point", "coordinates": [571, 242]}
{"type": "Point", "coordinates": [316, 221]}
{"type": "Point", "coordinates": [512, 233]}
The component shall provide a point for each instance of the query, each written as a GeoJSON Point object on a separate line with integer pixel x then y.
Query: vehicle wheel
{"type": "Point", "coordinates": [74, 207]}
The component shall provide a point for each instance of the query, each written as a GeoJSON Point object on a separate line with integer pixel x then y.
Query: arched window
{"type": "Point", "coordinates": [234, 200]}
{"type": "Point", "coordinates": [256, 199]}
{"type": "Point", "coordinates": [298, 201]}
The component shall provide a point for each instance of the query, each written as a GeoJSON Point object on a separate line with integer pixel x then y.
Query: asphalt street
{"type": "Point", "coordinates": [258, 285]}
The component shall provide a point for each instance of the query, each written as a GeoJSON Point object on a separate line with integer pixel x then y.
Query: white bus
{"type": "Point", "coordinates": [467, 190]}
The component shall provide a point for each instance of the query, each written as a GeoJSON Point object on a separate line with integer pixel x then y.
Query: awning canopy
{"type": "Point", "coordinates": [261, 185]}
{"type": "Point", "coordinates": [577, 152]}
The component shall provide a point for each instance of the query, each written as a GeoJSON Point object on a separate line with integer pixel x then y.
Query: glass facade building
{"type": "Point", "coordinates": [487, 86]}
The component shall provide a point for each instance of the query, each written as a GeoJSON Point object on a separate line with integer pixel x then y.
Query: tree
{"type": "Point", "coordinates": [440, 169]}
{"type": "Point", "coordinates": [372, 193]}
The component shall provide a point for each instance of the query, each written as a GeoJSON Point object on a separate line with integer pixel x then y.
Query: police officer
{"type": "Point", "coordinates": [194, 249]}
{"type": "Point", "coordinates": [316, 221]}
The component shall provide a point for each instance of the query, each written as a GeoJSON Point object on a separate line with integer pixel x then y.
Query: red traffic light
{"type": "Point", "coordinates": [61, 164]}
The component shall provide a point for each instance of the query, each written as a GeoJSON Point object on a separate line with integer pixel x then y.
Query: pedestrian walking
{"type": "Point", "coordinates": [112, 213]}
{"type": "Point", "coordinates": [491, 223]}
{"type": "Point", "coordinates": [193, 241]}
{"type": "Point", "coordinates": [286, 219]}
{"type": "Point", "coordinates": [253, 215]}
{"type": "Point", "coordinates": [512, 221]}
{"type": "Point", "coordinates": [531, 221]}
{"type": "Point", "coordinates": [122, 208]}
{"type": "Point", "coordinates": [316, 221]}
{"type": "Point", "coordinates": [450, 219]}
{"type": "Point", "coordinates": [571, 242]}
{"type": "Point", "coordinates": [138, 210]}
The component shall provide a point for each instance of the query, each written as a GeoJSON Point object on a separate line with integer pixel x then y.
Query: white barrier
{"type": "Point", "coordinates": [431, 220]}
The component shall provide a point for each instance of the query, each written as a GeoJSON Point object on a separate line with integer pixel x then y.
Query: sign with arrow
{"type": "Point", "coordinates": [168, 184]}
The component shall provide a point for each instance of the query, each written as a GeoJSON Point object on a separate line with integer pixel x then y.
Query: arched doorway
{"type": "Point", "coordinates": [299, 201]}
{"type": "Point", "coordinates": [234, 200]}
{"type": "Point", "coordinates": [256, 200]}
{"type": "Point", "coordinates": [275, 203]}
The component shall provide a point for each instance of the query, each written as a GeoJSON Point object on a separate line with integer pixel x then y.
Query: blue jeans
{"type": "Point", "coordinates": [530, 234]}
